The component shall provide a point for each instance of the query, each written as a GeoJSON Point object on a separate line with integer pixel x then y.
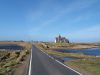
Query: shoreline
{"type": "Point", "coordinates": [73, 48]}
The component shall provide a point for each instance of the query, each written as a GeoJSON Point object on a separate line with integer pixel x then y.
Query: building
{"type": "Point", "coordinates": [61, 39]}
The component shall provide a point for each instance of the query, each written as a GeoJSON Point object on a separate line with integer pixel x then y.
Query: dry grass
{"type": "Point", "coordinates": [10, 59]}
{"type": "Point", "coordinates": [87, 66]}
{"type": "Point", "coordinates": [70, 45]}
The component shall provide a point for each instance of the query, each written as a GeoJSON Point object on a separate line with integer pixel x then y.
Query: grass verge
{"type": "Point", "coordinates": [10, 59]}
{"type": "Point", "coordinates": [87, 66]}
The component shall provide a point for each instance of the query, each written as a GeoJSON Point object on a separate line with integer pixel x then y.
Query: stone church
{"type": "Point", "coordinates": [61, 39]}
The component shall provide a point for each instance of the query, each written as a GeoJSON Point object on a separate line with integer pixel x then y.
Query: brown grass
{"type": "Point", "coordinates": [12, 58]}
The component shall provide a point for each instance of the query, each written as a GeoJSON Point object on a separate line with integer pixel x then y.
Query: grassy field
{"type": "Point", "coordinates": [89, 66]}
{"type": "Point", "coordinates": [10, 59]}
{"type": "Point", "coordinates": [70, 45]}
{"type": "Point", "coordinates": [73, 55]}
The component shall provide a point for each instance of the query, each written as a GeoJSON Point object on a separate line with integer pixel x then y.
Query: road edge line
{"type": "Point", "coordinates": [68, 67]}
{"type": "Point", "coordinates": [60, 62]}
{"type": "Point", "coordinates": [30, 63]}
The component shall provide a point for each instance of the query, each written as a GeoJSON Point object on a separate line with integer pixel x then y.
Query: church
{"type": "Point", "coordinates": [61, 39]}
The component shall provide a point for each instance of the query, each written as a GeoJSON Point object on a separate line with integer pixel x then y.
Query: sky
{"type": "Point", "coordinates": [43, 20]}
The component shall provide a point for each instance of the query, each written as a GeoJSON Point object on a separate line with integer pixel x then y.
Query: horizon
{"type": "Point", "coordinates": [43, 20]}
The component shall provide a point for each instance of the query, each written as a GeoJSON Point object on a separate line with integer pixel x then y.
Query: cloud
{"type": "Point", "coordinates": [87, 33]}
{"type": "Point", "coordinates": [60, 12]}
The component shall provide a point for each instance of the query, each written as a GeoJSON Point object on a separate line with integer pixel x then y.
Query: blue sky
{"type": "Point", "coordinates": [78, 20]}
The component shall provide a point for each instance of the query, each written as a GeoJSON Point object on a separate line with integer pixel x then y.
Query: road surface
{"type": "Point", "coordinates": [42, 64]}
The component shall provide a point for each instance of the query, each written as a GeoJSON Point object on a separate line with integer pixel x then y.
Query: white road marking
{"type": "Point", "coordinates": [68, 67]}
{"type": "Point", "coordinates": [60, 62]}
{"type": "Point", "coordinates": [30, 64]}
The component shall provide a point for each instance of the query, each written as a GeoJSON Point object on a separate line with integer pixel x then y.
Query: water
{"type": "Point", "coordinates": [68, 58]}
{"type": "Point", "coordinates": [10, 47]}
{"type": "Point", "coordinates": [91, 51]}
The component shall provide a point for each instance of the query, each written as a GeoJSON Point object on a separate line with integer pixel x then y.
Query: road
{"type": "Point", "coordinates": [42, 64]}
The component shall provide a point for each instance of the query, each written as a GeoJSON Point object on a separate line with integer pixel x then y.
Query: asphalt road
{"type": "Point", "coordinates": [41, 64]}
